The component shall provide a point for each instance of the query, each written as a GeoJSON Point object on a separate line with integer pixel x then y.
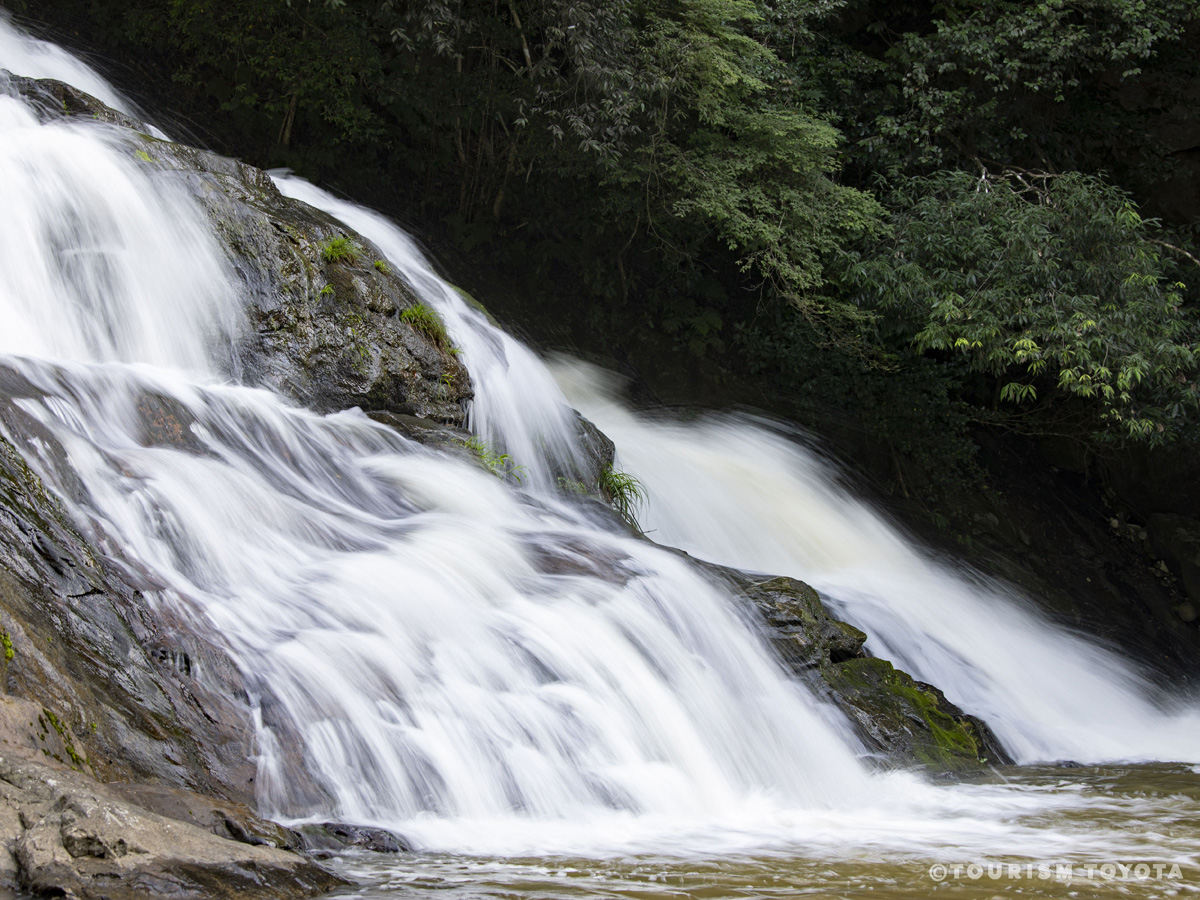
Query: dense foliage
{"type": "Point", "coordinates": [1051, 288]}
{"type": "Point", "coordinates": [927, 203]}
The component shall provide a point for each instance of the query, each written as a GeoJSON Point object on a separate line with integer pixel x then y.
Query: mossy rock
{"type": "Point", "coordinates": [803, 631]}
{"type": "Point", "coordinates": [900, 717]}
{"type": "Point", "coordinates": [903, 722]}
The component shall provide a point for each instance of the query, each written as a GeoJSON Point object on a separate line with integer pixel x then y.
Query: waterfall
{"type": "Point", "coordinates": [482, 668]}
{"type": "Point", "coordinates": [518, 407]}
{"type": "Point", "coordinates": [442, 645]}
{"type": "Point", "coordinates": [738, 492]}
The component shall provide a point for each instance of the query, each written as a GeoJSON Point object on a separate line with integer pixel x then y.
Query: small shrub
{"type": "Point", "coordinates": [341, 249]}
{"type": "Point", "coordinates": [383, 267]}
{"type": "Point", "coordinates": [624, 492]}
{"type": "Point", "coordinates": [429, 323]}
{"type": "Point", "coordinates": [327, 291]}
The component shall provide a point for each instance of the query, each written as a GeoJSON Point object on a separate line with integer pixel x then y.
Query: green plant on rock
{"type": "Point", "coordinates": [624, 492]}
{"type": "Point", "coordinates": [341, 249]}
{"type": "Point", "coordinates": [423, 319]}
{"type": "Point", "coordinates": [499, 464]}
{"type": "Point", "coordinates": [327, 291]}
{"type": "Point", "coordinates": [383, 267]}
{"type": "Point", "coordinates": [6, 657]}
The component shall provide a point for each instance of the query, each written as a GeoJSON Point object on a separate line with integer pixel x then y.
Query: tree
{"type": "Point", "coordinates": [1051, 289]}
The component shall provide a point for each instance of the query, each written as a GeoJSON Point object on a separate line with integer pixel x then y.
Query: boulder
{"type": "Point", "coordinates": [332, 325]}
{"type": "Point", "coordinates": [64, 834]}
{"type": "Point", "coordinates": [901, 721]}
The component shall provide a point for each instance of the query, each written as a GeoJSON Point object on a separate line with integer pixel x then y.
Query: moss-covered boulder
{"type": "Point", "coordinates": [900, 720]}
{"type": "Point", "coordinates": [801, 628]}
{"type": "Point", "coordinates": [331, 324]}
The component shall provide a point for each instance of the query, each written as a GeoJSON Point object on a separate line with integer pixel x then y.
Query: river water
{"type": "Point", "coordinates": [546, 705]}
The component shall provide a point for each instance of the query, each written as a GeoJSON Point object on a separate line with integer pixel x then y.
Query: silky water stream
{"type": "Point", "coordinates": [544, 704]}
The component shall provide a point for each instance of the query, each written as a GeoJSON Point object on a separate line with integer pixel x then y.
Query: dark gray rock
{"type": "Point", "coordinates": [334, 837]}
{"type": "Point", "coordinates": [903, 722]}
{"type": "Point", "coordinates": [801, 629]}
{"type": "Point", "coordinates": [326, 329]}
{"type": "Point", "coordinates": [599, 452]}
{"type": "Point", "coordinates": [149, 697]}
{"type": "Point", "coordinates": [53, 100]}
{"type": "Point", "coordinates": [329, 333]}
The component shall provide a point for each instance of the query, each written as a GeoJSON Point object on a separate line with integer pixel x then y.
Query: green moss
{"type": "Point", "coordinates": [6, 657]}
{"type": "Point", "coordinates": [499, 464]}
{"type": "Point", "coordinates": [77, 760]}
{"type": "Point", "coordinates": [904, 714]}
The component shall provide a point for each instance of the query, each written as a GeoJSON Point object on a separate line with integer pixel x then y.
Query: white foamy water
{"type": "Point", "coordinates": [100, 261]}
{"type": "Point", "coordinates": [482, 669]}
{"type": "Point", "coordinates": [22, 54]}
{"type": "Point", "coordinates": [735, 491]}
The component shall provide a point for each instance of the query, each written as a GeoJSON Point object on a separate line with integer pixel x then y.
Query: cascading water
{"type": "Point", "coordinates": [441, 645]}
{"type": "Point", "coordinates": [733, 491]}
{"type": "Point", "coordinates": [517, 406]}
{"type": "Point", "coordinates": [486, 670]}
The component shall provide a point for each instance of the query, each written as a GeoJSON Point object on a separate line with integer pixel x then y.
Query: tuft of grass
{"type": "Point", "coordinates": [499, 464]}
{"type": "Point", "coordinates": [383, 267]}
{"type": "Point", "coordinates": [341, 249]}
{"type": "Point", "coordinates": [327, 291]}
{"type": "Point", "coordinates": [623, 492]}
{"type": "Point", "coordinates": [423, 319]}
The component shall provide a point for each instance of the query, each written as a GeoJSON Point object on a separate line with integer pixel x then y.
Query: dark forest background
{"type": "Point", "coordinates": [907, 223]}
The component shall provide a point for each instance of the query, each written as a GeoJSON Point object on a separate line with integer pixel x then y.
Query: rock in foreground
{"type": "Point", "coordinates": [63, 834]}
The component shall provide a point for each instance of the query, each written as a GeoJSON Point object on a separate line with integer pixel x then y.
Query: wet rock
{"type": "Point", "coordinates": [338, 836]}
{"type": "Point", "coordinates": [907, 721]}
{"type": "Point", "coordinates": [54, 100]}
{"type": "Point", "coordinates": [802, 630]}
{"type": "Point", "coordinates": [328, 329]}
{"type": "Point", "coordinates": [900, 720]}
{"type": "Point", "coordinates": [232, 821]}
{"type": "Point", "coordinates": [435, 435]}
{"type": "Point", "coordinates": [130, 691]}
{"type": "Point", "coordinates": [598, 451]}
{"type": "Point", "coordinates": [65, 834]}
